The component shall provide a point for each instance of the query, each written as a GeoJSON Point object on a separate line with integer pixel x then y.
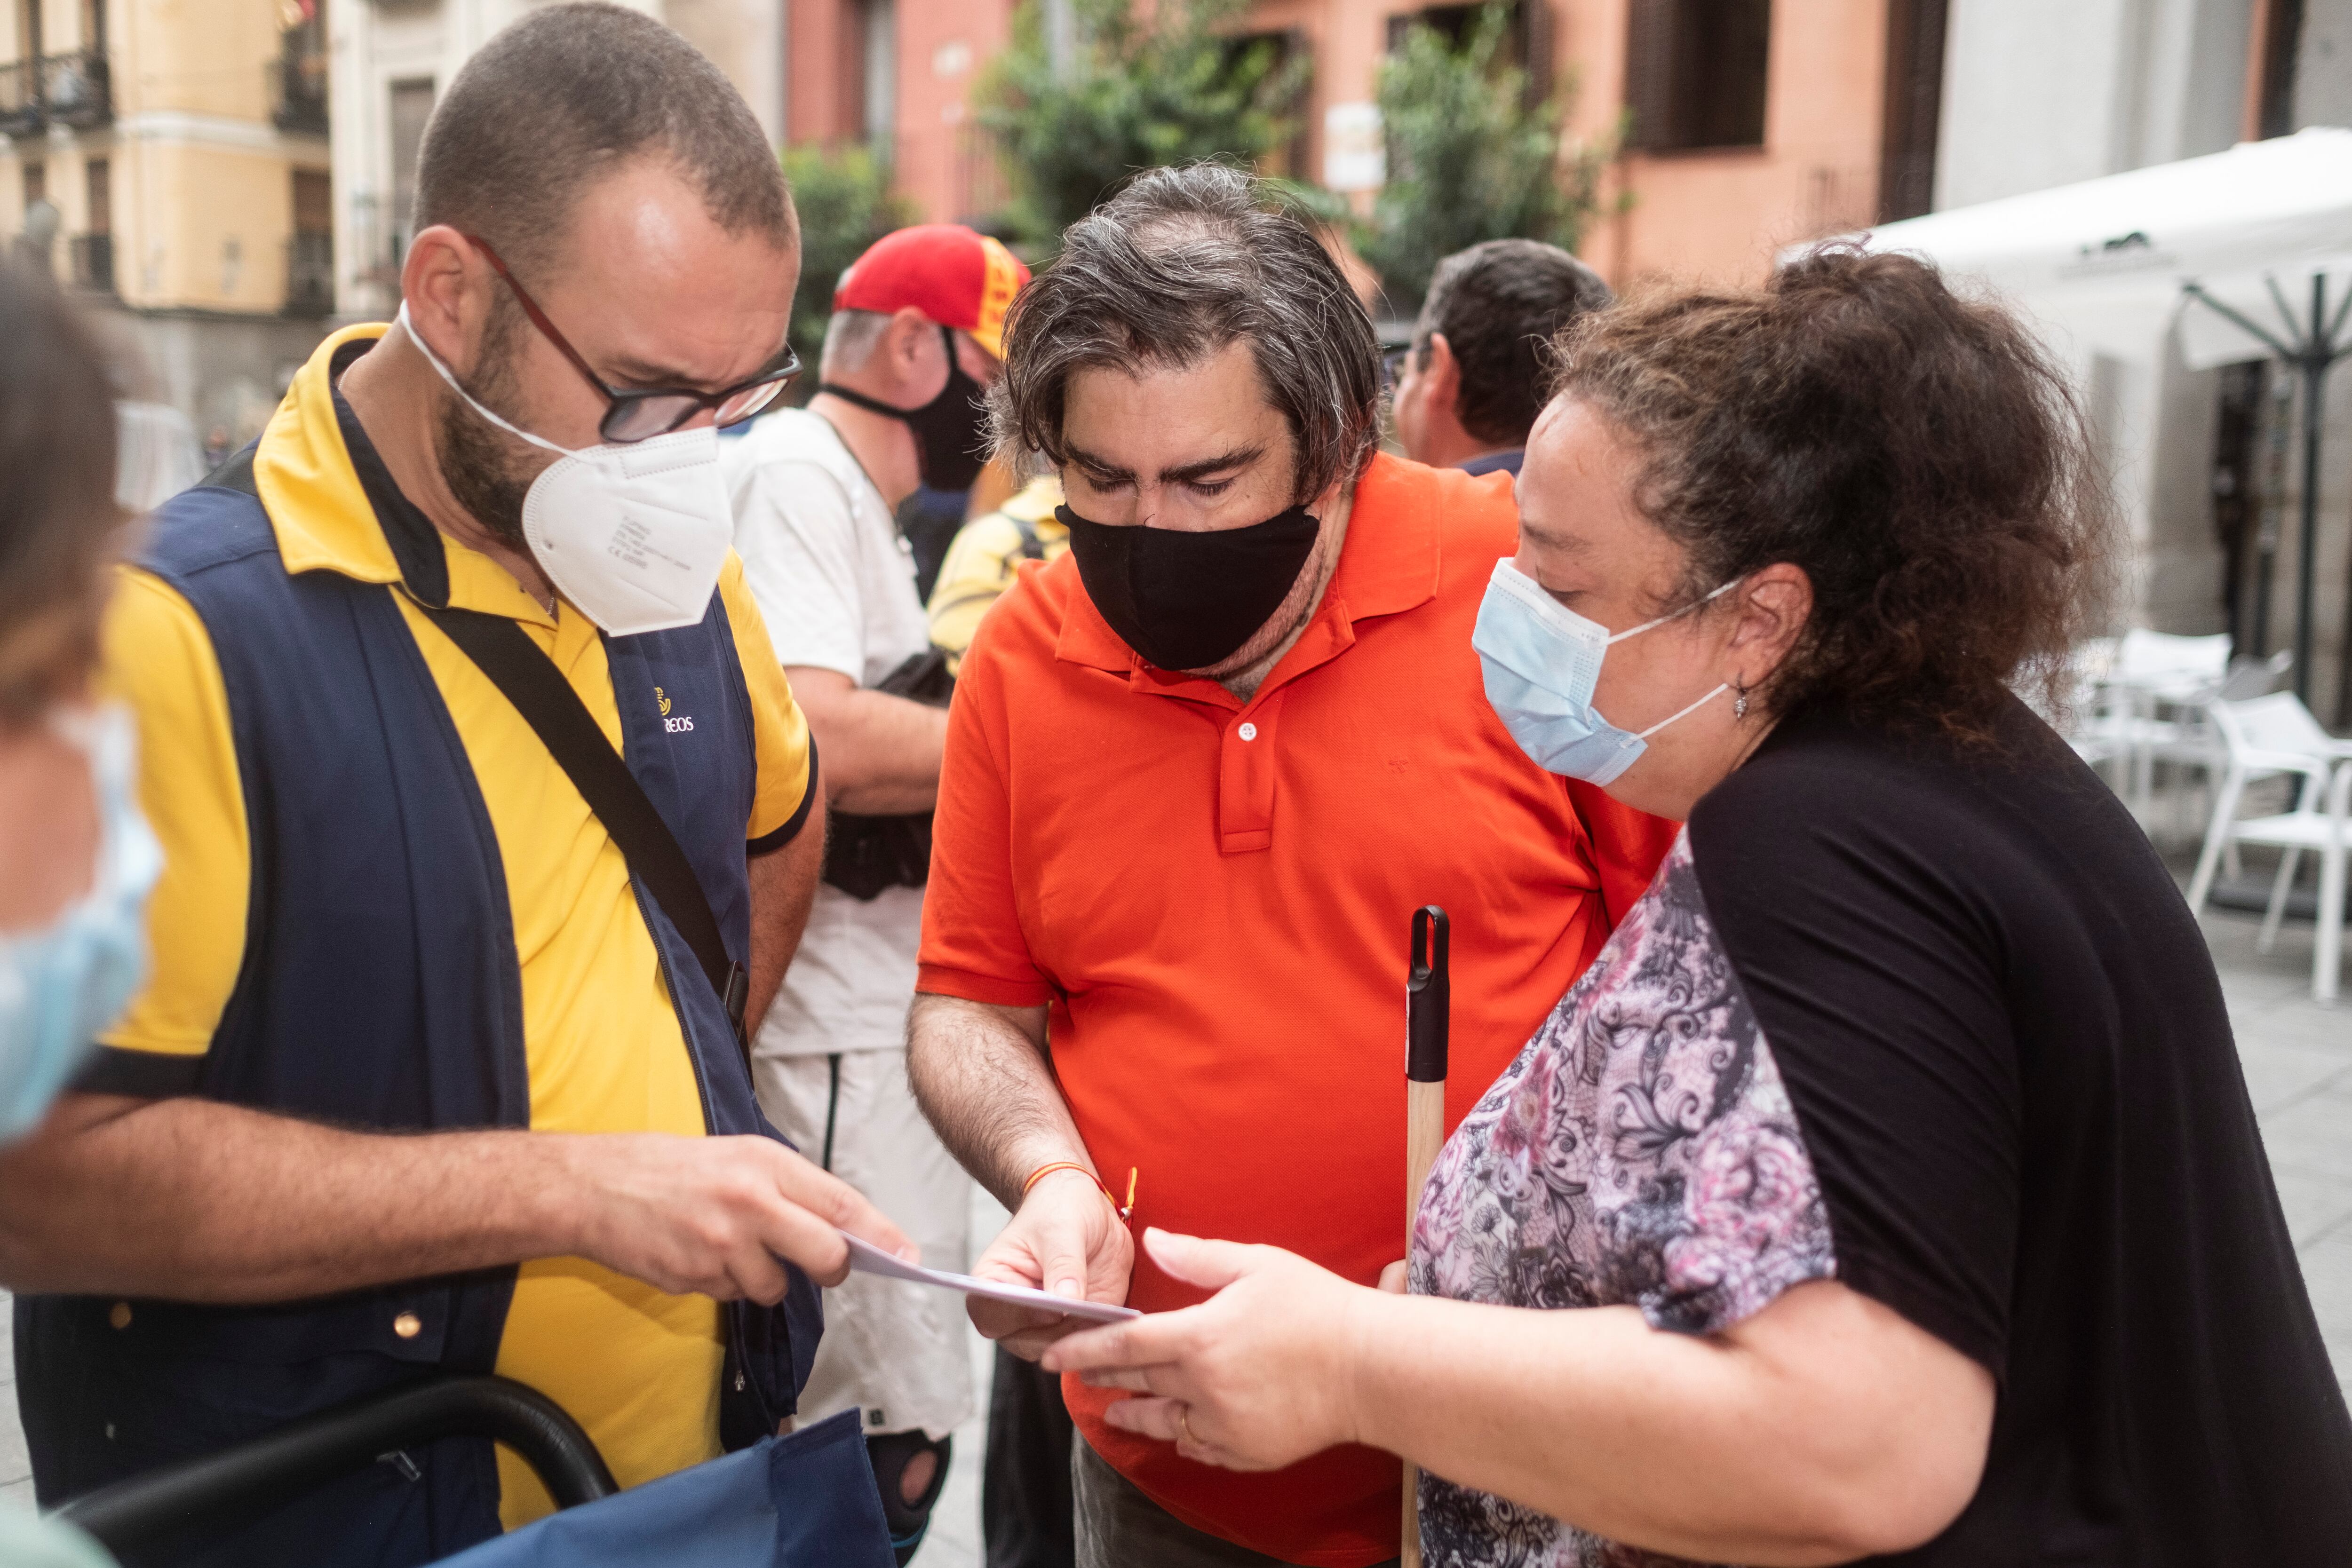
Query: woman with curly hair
{"type": "Point", "coordinates": [1888, 1185]}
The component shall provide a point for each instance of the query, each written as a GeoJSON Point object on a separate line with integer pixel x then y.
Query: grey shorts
{"type": "Point", "coordinates": [1118, 1527]}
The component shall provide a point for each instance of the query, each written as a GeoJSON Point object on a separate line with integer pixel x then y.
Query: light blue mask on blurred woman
{"type": "Point", "coordinates": [1542, 661]}
{"type": "Point", "coordinates": [62, 983]}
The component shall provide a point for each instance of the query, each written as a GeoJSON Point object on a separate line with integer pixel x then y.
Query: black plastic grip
{"type": "Point", "coordinates": [1428, 997]}
{"type": "Point", "coordinates": [248, 1481]}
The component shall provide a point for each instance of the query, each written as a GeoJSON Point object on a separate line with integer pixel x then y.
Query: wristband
{"type": "Point", "coordinates": [1042, 1172]}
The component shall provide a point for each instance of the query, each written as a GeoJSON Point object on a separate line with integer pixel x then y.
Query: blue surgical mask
{"type": "Point", "coordinates": [1542, 661]}
{"type": "Point", "coordinates": [63, 983]}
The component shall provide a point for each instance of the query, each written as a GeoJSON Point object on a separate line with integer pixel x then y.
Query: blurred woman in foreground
{"type": "Point", "coordinates": [1889, 1183]}
{"type": "Point", "coordinates": [76, 858]}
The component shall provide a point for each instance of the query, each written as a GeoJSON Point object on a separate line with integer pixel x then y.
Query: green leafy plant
{"type": "Point", "coordinates": [842, 195]}
{"type": "Point", "coordinates": [1130, 93]}
{"type": "Point", "coordinates": [1469, 160]}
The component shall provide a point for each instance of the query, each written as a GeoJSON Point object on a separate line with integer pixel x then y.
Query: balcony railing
{"type": "Point", "coordinates": [297, 90]}
{"type": "Point", "coordinates": [76, 89]}
{"type": "Point", "coordinates": [93, 262]}
{"type": "Point", "coordinates": [20, 99]}
{"type": "Point", "coordinates": [310, 275]}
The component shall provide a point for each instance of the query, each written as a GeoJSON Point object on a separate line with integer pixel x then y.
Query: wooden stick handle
{"type": "Point", "coordinates": [1424, 1134]}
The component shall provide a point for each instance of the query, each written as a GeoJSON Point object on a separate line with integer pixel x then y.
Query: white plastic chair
{"type": "Point", "coordinates": [2145, 673]}
{"type": "Point", "coordinates": [2266, 737]}
{"type": "Point", "coordinates": [2083, 712]}
{"type": "Point", "coordinates": [2250, 677]}
{"type": "Point", "coordinates": [2191, 744]}
{"type": "Point", "coordinates": [2157, 661]}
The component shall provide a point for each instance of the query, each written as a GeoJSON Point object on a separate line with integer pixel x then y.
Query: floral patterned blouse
{"type": "Point", "coordinates": [1641, 1151]}
{"type": "Point", "coordinates": [1932, 1019]}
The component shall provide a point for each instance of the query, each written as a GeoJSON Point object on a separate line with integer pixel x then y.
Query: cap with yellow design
{"type": "Point", "coordinates": [955, 275]}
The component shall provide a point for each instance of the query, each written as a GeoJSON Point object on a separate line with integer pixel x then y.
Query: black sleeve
{"type": "Point", "coordinates": [768, 843]}
{"type": "Point", "coordinates": [146, 1074]}
{"type": "Point", "coordinates": [1851, 909]}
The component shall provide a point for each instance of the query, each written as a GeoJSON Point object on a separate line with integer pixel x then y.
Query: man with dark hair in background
{"type": "Point", "coordinates": [1467, 390]}
{"type": "Point", "coordinates": [430, 1076]}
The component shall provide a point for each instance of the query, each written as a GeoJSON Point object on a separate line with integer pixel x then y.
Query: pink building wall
{"type": "Point", "coordinates": [1716, 215]}
{"type": "Point", "coordinates": [1720, 215]}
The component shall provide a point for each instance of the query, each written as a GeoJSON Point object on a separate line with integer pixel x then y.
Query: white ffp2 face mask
{"type": "Point", "coordinates": [632, 535]}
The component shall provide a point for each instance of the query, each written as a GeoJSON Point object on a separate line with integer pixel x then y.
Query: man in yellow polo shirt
{"type": "Point", "coordinates": [984, 559]}
{"type": "Point", "coordinates": [432, 1075]}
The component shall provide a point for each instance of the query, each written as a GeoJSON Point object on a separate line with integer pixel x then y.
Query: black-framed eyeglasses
{"type": "Point", "coordinates": [1392, 365]}
{"type": "Point", "coordinates": [633, 414]}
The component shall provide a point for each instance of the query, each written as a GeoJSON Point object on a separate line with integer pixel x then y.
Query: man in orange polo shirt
{"type": "Point", "coordinates": [1198, 775]}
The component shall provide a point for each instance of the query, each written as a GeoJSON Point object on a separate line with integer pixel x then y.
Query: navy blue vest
{"type": "Point", "coordinates": [381, 989]}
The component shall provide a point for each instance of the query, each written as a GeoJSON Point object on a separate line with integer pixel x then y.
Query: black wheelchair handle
{"type": "Point", "coordinates": [252, 1479]}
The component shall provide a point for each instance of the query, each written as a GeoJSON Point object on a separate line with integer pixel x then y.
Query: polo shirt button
{"type": "Point", "coordinates": [739, 1383]}
{"type": "Point", "coordinates": [119, 1314]}
{"type": "Point", "coordinates": [408, 1325]}
{"type": "Point", "coordinates": [1248, 731]}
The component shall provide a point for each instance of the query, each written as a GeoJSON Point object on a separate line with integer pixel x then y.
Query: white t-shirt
{"type": "Point", "coordinates": [835, 582]}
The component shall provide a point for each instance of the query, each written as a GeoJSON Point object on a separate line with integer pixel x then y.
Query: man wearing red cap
{"type": "Point", "coordinates": [915, 335]}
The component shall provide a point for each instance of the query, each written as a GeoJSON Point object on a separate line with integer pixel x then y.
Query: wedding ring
{"type": "Point", "coordinates": [1185, 1424]}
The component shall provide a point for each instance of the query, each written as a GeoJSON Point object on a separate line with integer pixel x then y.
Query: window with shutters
{"type": "Point", "coordinates": [93, 248]}
{"type": "Point", "coordinates": [1694, 73]}
{"type": "Point", "coordinates": [2281, 38]}
{"type": "Point", "coordinates": [1286, 160]}
{"type": "Point", "coordinates": [872, 38]}
{"type": "Point", "coordinates": [1528, 46]}
{"type": "Point", "coordinates": [310, 252]}
{"type": "Point", "coordinates": [1914, 102]}
{"type": "Point", "coordinates": [412, 106]}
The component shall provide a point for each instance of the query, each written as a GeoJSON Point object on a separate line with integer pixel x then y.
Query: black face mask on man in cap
{"type": "Point", "coordinates": [1188, 600]}
{"type": "Point", "coordinates": [951, 439]}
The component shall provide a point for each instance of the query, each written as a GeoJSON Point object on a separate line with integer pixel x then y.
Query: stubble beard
{"type": "Point", "coordinates": [1253, 659]}
{"type": "Point", "coordinates": [485, 475]}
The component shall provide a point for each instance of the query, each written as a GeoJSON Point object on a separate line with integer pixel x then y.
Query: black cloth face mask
{"type": "Point", "coordinates": [949, 431]}
{"type": "Point", "coordinates": [1186, 601]}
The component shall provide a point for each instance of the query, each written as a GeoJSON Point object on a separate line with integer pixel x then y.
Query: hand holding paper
{"type": "Point", "coordinates": [866, 1257]}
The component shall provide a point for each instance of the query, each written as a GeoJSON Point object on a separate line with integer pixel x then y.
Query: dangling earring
{"type": "Point", "coordinates": [1738, 700]}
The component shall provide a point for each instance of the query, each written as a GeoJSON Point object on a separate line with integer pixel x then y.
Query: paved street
{"type": "Point", "coordinates": [2298, 1064]}
{"type": "Point", "coordinates": [2298, 1060]}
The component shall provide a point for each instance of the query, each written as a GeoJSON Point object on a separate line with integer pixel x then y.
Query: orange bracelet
{"type": "Point", "coordinates": [1042, 1172]}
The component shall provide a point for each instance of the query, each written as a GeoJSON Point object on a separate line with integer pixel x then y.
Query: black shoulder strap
{"type": "Point", "coordinates": [235, 472]}
{"type": "Point", "coordinates": [530, 681]}
{"type": "Point", "coordinates": [1032, 547]}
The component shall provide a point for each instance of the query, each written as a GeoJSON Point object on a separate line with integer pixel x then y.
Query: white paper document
{"type": "Point", "coordinates": [868, 1258]}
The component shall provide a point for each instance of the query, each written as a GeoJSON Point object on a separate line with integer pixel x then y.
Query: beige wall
{"type": "Point", "coordinates": [197, 57]}
{"type": "Point", "coordinates": [745, 40]}
{"type": "Point", "coordinates": [225, 251]}
{"type": "Point", "coordinates": [201, 180]}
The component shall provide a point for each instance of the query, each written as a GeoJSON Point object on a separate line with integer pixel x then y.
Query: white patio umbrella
{"type": "Point", "coordinates": [2247, 252]}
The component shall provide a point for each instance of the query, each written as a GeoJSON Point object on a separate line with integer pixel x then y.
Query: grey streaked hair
{"type": "Point", "coordinates": [849, 340]}
{"type": "Point", "coordinates": [1174, 268]}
